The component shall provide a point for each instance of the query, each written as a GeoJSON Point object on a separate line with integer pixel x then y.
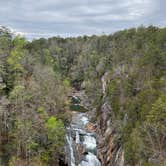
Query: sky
{"type": "Point", "coordinates": [47, 18]}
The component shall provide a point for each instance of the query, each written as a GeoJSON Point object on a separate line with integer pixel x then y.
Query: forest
{"type": "Point", "coordinates": [37, 77]}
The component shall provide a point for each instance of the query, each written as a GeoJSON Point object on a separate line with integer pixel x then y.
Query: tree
{"type": "Point", "coordinates": [56, 138]}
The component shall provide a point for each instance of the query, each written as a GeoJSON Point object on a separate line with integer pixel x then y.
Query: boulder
{"type": "Point", "coordinates": [90, 127]}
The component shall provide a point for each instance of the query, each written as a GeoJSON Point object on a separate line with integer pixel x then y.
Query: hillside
{"type": "Point", "coordinates": [123, 76]}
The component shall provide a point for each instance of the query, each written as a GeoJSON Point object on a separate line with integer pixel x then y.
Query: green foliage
{"type": "Point", "coordinates": [66, 83]}
{"type": "Point", "coordinates": [45, 157]}
{"type": "Point", "coordinates": [157, 115]}
{"type": "Point", "coordinates": [18, 90]}
{"type": "Point", "coordinates": [14, 61]}
{"type": "Point", "coordinates": [133, 148]}
{"type": "Point", "coordinates": [113, 93]}
{"type": "Point", "coordinates": [5, 44]}
{"type": "Point", "coordinates": [19, 42]}
{"type": "Point", "coordinates": [55, 132]}
{"type": "Point", "coordinates": [40, 109]}
{"type": "Point", "coordinates": [46, 57]}
{"type": "Point", "coordinates": [55, 127]}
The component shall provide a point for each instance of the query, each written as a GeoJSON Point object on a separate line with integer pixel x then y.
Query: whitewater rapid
{"type": "Point", "coordinates": [76, 134]}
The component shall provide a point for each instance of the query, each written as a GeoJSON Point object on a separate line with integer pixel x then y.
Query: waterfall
{"type": "Point", "coordinates": [90, 160]}
{"type": "Point", "coordinates": [70, 145]}
{"type": "Point", "coordinates": [77, 135]}
{"type": "Point", "coordinates": [90, 142]}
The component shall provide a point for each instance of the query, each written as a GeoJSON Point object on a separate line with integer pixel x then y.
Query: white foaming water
{"type": "Point", "coordinates": [87, 139]}
{"type": "Point", "coordinates": [84, 120]}
{"type": "Point", "coordinates": [77, 138]}
{"type": "Point", "coordinates": [69, 142]}
{"type": "Point", "coordinates": [90, 160]}
{"type": "Point", "coordinates": [80, 120]}
{"type": "Point", "coordinates": [89, 142]}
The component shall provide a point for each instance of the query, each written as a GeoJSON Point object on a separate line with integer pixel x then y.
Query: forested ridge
{"type": "Point", "coordinates": [37, 77]}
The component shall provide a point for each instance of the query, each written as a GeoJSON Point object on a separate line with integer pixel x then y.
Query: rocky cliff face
{"type": "Point", "coordinates": [110, 151]}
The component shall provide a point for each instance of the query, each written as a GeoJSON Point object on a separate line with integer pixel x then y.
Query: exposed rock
{"type": "Point", "coordinates": [104, 117]}
{"type": "Point", "coordinates": [83, 85]}
{"type": "Point", "coordinates": [106, 136]}
{"type": "Point", "coordinates": [2, 84]}
{"type": "Point", "coordinates": [90, 127]}
{"type": "Point", "coordinates": [104, 80]}
{"type": "Point", "coordinates": [80, 149]}
{"type": "Point", "coordinates": [154, 161]}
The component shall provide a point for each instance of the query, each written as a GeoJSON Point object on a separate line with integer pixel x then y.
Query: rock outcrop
{"type": "Point", "coordinates": [110, 152]}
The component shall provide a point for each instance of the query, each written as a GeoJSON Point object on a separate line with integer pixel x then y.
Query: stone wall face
{"type": "Point", "coordinates": [110, 152]}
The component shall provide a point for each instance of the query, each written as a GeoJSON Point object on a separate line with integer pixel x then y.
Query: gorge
{"type": "Point", "coordinates": [84, 101]}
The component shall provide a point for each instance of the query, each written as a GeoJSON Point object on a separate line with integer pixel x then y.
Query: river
{"type": "Point", "coordinates": [77, 136]}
